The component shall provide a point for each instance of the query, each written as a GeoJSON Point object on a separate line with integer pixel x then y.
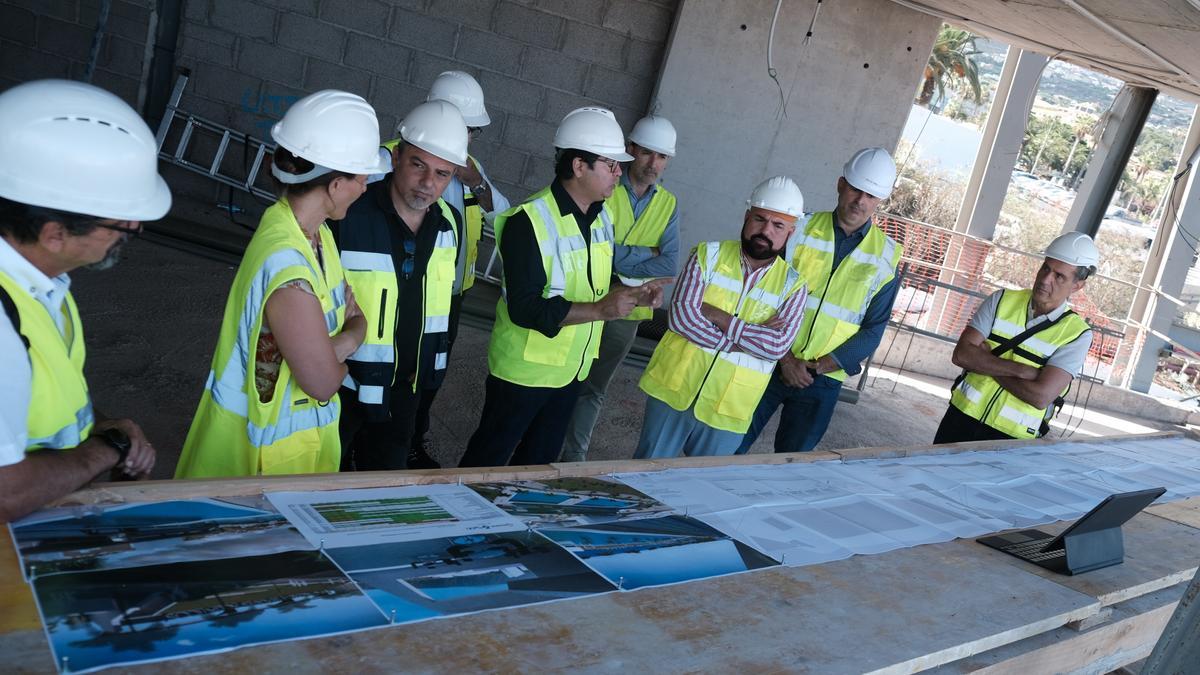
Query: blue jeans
{"type": "Point", "coordinates": [805, 417]}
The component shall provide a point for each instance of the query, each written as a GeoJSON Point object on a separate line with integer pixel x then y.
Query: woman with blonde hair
{"type": "Point", "coordinates": [270, 405]}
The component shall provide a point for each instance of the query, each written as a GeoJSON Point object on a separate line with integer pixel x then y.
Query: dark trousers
{"type": "Point", "coordinates": [421, 423]}
{"type": "Point", "coordinates": [805, 417]}
{"type": "Point", "coordinates": [377, 446]}
{"type": "Point", "coordinates": [526, 425]}
{"type": "Point", "coordinates": [958, 426]}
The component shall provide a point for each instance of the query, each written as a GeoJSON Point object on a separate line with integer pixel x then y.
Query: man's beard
{"type": "Point", "coordinates": [752, 248]}
{"type": "Point", "coordinates": [110, 259]}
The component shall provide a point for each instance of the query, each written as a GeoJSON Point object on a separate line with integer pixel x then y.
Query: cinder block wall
{"type": "Point", "coordinates": [251, 59]}
{"type": "Point", "coordinates": [53, 38]}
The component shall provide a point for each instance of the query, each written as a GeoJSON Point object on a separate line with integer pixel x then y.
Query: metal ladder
{"type": "Point", "coordinates": [194, 125]}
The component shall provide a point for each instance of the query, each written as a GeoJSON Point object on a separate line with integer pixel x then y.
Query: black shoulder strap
{"type": "Point", "coordinates": [1014, 342]}
{"type": "Point", "coordinates": [10, 309]}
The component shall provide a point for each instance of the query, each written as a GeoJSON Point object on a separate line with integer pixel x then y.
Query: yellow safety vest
{"type": "Point", "coordinates": [981, 396]}
{"type": "Point", "coordinates": [367, 259]}
{"type": "Point", "coordinates": [472, 226]}
{"type": "Point", "coordinates": [725, 386]}
{"type": "Point", "coordinates": [234, 433]}
{"type": "Point", "coordinates": [838, 300]}
{"type": "Point", "coordinates": [60, 410]}
{"type": "Point", "coordinates": [646, 230]}
{"type": "Point", "coordinates": [527, 357]}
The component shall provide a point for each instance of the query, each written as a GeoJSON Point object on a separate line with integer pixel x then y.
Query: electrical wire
{"type": "Point", "coordinates": [771, 72]}
{"type": "Point", "coordinates": [812, 24]}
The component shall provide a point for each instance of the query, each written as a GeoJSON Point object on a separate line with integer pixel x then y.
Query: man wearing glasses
{"type": "Point", "coordinates": [78, 174]}
{"type": "Point", "coordinates": [645, 246]}
{"type": "Point", "coordinates": [399, 247]}
{"type": "Point", "coordinates": [472, 194]}
{"type": "Point", "coordinates": [557, 292]}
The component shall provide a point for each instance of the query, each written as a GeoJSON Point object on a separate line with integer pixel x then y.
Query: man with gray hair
{"type": "Point", "coordinates": [78, 174]}
{"type": "Point", "coordinates": [1021, 350]}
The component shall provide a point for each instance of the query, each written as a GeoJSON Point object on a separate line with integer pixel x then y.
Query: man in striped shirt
{"type": "Point", "coordinates": [736, 311]}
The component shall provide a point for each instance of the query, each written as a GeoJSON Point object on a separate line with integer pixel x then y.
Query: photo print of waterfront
{"type": "Point", "coordinates": [130, 615]}
{"type": "Point", "coordinates": [570, 501]}
{"type": "Point", "coordinates": [656, 551]}
{"type": "Point", "coordinates": [77, 539]}
{"type": "Point", "coordinates": [418, 580]}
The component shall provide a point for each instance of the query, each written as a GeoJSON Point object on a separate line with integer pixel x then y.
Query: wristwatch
{"type": "Point", "coordinates": [117, 440]}
{"type": "Point", "coordinates": [482, 187]}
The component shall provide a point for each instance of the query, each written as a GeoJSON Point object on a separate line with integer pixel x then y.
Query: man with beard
{"type": "Point", "coordinates": [1021, 350]}
{"type": "Point", "coordinates": [645, 246]}
{"type": "Point", "coordinates": [78, 174]}
{"type": "Point", "coordinates": [850, 268]}
{"type": "Point", "coordinates": [736, 310]}
{"type": "Point", "coordinates": [399, 248]}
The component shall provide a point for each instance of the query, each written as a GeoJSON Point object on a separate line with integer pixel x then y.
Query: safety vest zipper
{"type": "Point", "coordinates": [592, 285]}
{"type": "Point", "coordinates": [382, 310]}
{"type": "Point", "coordinates": [820, 303]}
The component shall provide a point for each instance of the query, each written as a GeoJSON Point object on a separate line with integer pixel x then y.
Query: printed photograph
{"type": "Point", "coordinates": [129, 615]}
{"type": "Point", "coordinates": [656, 551]}
{"type": "Point", "coordinates": [424, 579]}
{"type": "Point", "coordinates": [76, 539]}
{"type": "Point", "coordinates": [570, 501]}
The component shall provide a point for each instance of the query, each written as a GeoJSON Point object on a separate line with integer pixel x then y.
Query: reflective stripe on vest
{"type": "Point", "coordinates": [60, 409]}
{"type": "Point", "coordinates": [725, 387]}
{"type": "Point", "coordinates": [234, 433]}
{"type": "Point", "coordinates": [527, 357]}
{"type": "Point", "coordinates": [982, 398]}
{"type": "Point", "coordinates": [838, 302]}
{"type": "Point", "coordinates": [646, 230]}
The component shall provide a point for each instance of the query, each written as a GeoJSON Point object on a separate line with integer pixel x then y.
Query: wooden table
{"type": "Point", "coordinates": [956, 606]}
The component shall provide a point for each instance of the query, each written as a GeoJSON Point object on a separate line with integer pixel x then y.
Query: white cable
{"type": "Point", "coordinates": [771, 72]}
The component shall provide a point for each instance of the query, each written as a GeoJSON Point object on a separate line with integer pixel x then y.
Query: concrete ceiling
{"type": "Point", "coordinates": [1153, 43]}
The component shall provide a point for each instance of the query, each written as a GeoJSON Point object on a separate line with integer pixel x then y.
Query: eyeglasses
{"type": "Point", "coordinates": [116, 227]}
{"type": "Point", "coordinates": [406, 267]}
{"type": "Point", "coordinates": [474, 132]}
{"type": "Point", "coordinates": [612, 164]}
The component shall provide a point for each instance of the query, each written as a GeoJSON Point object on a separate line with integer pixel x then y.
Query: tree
{"type": "Point", "coordinates": [952, 57]}
{"type": "Point", "coordinates": [1084, 124]}
{"type": "Point", "coordinates": [1046, 145]}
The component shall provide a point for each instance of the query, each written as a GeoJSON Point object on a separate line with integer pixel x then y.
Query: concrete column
{"type": "Point", "coordinates": [1001, 144]}
{"type": "Point", "coordinates": [1167, 265]}
{"type": "Point", "coordinates": [1125, 122]}
{"type": "Point", "coordinates": [990, 176]}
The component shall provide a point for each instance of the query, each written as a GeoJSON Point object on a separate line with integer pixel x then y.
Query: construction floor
{"type": "Point", "coordinates": [151, 324]}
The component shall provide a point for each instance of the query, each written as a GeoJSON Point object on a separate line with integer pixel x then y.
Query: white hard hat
{"type": "Point", "coordinates": [779, 194]}
{"type": "Point", "coordinates": [335, 130]}
{"type": "Point", "coordinates": [1074, 248]}
{"type": "Point", "coordinates": [75, 147]}
{"type": "Point", "coordinates": [594, 130]}
{"type": "Point", "coordinates": [464, 92]}
{"type": "Point", "coordinates": [437, 127]}
{"type": "Point", "coordinates": [655, 133]}
{"type": "Point", "coordinates": [872, 171]}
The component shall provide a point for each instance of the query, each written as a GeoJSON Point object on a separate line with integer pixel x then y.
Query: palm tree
{"type": "Point", "coordinates": [952, 56]}
{"type": "Point", "coordinates": [1084, 124]}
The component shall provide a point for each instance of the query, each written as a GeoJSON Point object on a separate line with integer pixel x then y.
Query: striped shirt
{"type": "Point", "coordinates": [770, 340]}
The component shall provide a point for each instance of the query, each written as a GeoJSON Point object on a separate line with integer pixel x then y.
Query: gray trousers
{"type": "Point", "coordinates": [615, 343]}
{"type": "Point", "coordinates": [667, 432]}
